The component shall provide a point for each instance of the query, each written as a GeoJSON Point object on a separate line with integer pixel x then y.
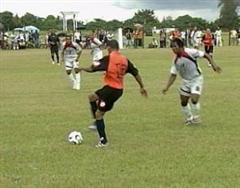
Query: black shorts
{"type": "Point", "coordinates": [107, 96]}
{"type": "Point", "coordinates": [208, 49]}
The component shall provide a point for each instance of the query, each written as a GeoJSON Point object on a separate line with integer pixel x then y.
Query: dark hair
{"type": "Point", "coordinates": [177, 42]}
{"type": "Point", "coordinates": [113, 44]}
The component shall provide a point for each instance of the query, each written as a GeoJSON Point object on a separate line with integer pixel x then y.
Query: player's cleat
{"type": "Point", "coordinates": [189, 121]}
{"type": "Point", "coordinates": [53, 62]}
{"type": "Point", "coordinates": [101, 145]}
{"type": "Point", "coordinates": [58, 64]}
{"type": "Point", "coordinates": [196, 120]}
{"type": "Point", "coordinates": [209, 65]}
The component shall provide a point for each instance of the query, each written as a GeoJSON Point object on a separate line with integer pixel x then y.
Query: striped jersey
{"type": "Point", "coordinates": [70, 51]}
{"type": "Point", "coordinates": [186, 64]}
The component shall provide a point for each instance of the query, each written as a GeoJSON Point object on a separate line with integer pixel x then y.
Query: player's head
{"type": "Point", "coordinates": [112, 45]}
{"type": "Point", "coordinates": [177, 45]}
{"type": "Point", "coordinates": [68, 38]}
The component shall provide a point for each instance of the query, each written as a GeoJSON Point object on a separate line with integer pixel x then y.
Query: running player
{"type": "Point", "coordinates": [185, 63]}
{"type": "Point", "coordinates": [71, 53]}
{"type": "Point", "coordinates": [53, 43]}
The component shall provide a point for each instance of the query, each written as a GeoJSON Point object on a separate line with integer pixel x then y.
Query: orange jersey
{"type": "Point", "coordinates": [115, 66]}
{"type": "Point", "coordinates": [207, 39]}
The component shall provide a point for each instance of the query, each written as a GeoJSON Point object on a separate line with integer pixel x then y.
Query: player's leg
{"type": "Point", "coordinates": [68, 68]}
{"type": "Point", "coordinates": [52, 55]}
{"type": "Point", "coordinates": [196, 90]}
{"type": "Point", "coordinates": [101, 128]}
{"type": "Point", "coordinates": [185, 94]}
{"type": "Point", "coordinates": [107, 97]}
{"type": "Point", "coordinates": [93, 103]}
{"type": "Point", "coordinates": [77, 76]}
{"type": "Point", "coordinates": [57, 55]}
{"type": "Point", "coordinates": [186, 109]}
{"type": "Point", "coordinates": [195, 106]}
{"type": "Point", "coordinates": [207, 50]}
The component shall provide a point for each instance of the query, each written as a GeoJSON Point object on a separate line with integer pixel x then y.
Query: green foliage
{"type": "Point", "coordinates": [113, 25]}
{"type": "Point", "coordinates": [228, 13]}
{"type": "Point", "coordinates": [97, 24]}
{"type": "Point", "coordinates": [30, 19]}
{"type": "Point", "coordinates": [6, 18]}
{"type": "Point", "coordinates": [228, 19]}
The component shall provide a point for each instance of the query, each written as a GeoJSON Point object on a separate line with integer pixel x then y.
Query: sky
{"type": "Point", "coordinates": [108, 10]}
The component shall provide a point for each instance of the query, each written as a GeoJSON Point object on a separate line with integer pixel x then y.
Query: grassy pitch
{"type": "Point", "coordinates": [149, 144]}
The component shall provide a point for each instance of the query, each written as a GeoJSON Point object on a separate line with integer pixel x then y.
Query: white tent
{"type": "Point", "coordinates": [30, 28]}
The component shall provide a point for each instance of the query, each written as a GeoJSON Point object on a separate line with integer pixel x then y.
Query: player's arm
{"type": "Point", "coordinates": [170, 82]}
{"type": "Point", "coordinates": [171, 79]}
{"type": "Point", "coordinates": [134, 71]}
{"type": "Point", "coordinates": [215, 67]}
{"type": "Point", "coordinates": [100, 65]}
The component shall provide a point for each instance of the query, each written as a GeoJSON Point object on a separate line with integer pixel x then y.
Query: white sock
{"type": "Point", "coordinates": [195, 109]}
{"type": "Point", "coordinates": [187, 111]}
{"type": "Point", "coordinates": [78, 78]}
{"type": "Point", "coordinates": [71, 77]}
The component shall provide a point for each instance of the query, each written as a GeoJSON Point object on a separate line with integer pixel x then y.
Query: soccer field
{"type": "Point", "coordinates": [150, 147]}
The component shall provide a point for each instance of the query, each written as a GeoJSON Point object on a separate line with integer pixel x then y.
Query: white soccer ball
{"type": "Point", "coordinates": [75, 137]}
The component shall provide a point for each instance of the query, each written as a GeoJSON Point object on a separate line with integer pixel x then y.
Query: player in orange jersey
{"type": "Point", "coordinates": [115, 66]}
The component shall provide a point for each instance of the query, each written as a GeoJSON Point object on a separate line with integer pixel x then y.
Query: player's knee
{"type": "Point", "coordinates": [194, 101]}
{"type": "Point", "coordinates": [68, 72]}
{"type": "Point", "coordinates": [76, 70]}
{"type": "Point", "coordinates": [92, 97]}
{"type": "Point", "coordinates": [184, 103]}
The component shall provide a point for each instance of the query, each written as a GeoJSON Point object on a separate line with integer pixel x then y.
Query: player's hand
{"type": "Point", "coordinates": [143, 92]}
{"type": "Point", "coordinates": [217, 69]}
{"type": "Point", "coordinates": [77, 63]}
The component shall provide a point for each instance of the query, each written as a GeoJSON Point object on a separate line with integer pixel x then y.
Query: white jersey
{"type": "Point", "coordinates": [71, 51]}
{"type": "Point", "coordinates": [186, 64]}
{"type": "Point", "coordinates": [96, 51]}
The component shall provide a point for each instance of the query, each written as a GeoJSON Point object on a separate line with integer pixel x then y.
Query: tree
{"type": "Point", "coordinates": [17, 21]}
{"type": "Point", "coordinates": [30, 19]}
{"type": "Point", "coordinates": [50, 23]}
{"type": "Point", "coordinates": [145, 17]}
{"type": "Point", "coordinates": [167, 22]}
{"type": "Point", "coordinates": [228, 13]}
{"type": "Point", "coordinates": [97, 24]}
{"type": "Point", "coordinates": [113, 25]}
{"type": "Point", "coordinates": [6, 18]}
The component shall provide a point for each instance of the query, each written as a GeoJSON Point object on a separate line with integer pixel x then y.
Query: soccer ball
{"type": "Point", "coordinates": [75, 137]}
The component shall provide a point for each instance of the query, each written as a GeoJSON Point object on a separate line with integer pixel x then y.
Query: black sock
{"type": "Point", "coordinates": [53, 57]}
{"type": "Point", "coordinates": [101, 131]}
{"type": "Point", "coordinates": [93, 108]}
{"type": "Point", "coordinates": [57, 58]}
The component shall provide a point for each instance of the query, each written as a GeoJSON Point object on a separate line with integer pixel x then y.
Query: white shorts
{"type": "Point", "coordinates": [193, 86]}
{"type": "Point", "coordinates": [69, 65]}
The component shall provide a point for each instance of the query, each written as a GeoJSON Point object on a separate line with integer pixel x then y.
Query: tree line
{"type": "Point", "coordinates": [228, 19]}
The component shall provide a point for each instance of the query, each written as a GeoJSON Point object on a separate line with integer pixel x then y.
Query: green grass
{"type": "Point", "coordinates": [149, 145]}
